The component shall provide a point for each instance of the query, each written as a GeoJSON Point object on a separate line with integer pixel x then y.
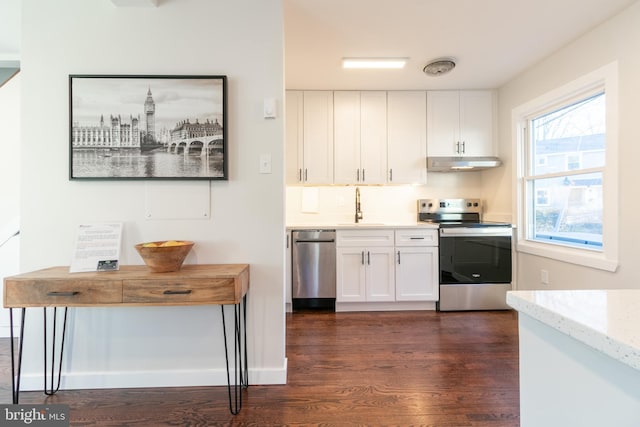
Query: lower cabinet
{"type": "Point", "coordinates": [417, 273]}
{"type": "Point", "coordinates": [386, 265]}
{"type": "Point", "coordinates": [365, 274]}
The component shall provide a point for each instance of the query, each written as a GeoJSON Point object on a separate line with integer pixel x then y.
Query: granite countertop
{"type": "Point", "coordinates": [606, 320]}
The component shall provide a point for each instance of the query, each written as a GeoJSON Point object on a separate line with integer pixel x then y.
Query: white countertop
{"type": "Point", "coordinates": [606, 320]}
{"type": "Point", "coordinates": [340, 226]}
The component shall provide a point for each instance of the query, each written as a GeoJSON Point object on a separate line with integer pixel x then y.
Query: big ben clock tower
{"type": "Point", "coordinates": [150, 111]}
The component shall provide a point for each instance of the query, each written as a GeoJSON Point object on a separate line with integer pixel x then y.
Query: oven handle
{"type": "Point", "coordinates": [476, 231]}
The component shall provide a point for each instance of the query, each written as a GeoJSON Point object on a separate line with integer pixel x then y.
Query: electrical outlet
{"type": "Point", "coordinates": [544, 277]}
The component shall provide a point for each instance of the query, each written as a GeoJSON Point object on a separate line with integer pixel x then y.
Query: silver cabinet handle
{"type": "Point", "coordinates": [300, 174]}
{"type": "Point", "coordinates": [363, 175]}
{"type": "Point", "coordinates": [398, 257]}
{"type": "Point", "coordinates": [390, 175]}
{"type": "Point", "coordinates": [362, 258]}
{"type": "Point", "coordinates": [368, 258]}
{"type": "Point", "coordinates": [464, 147]}
{"type": "Point", "coordinates": [305, 175]}
{"type": "Point", "coordinates": [357, 175]}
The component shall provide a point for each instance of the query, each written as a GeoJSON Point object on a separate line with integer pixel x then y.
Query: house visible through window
{"type": "Point", "coordinates": [566, 148]}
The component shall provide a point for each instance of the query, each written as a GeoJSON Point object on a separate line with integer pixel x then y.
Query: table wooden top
{"type": "Point", "coordinates": [131, 285]}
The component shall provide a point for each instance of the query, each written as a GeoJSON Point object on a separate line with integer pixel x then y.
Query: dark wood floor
{"type": "Point", "coordinates": [345, 369]}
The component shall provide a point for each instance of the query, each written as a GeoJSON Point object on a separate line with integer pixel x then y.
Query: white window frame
{"type": "Point", "coordinates": [606, 259]}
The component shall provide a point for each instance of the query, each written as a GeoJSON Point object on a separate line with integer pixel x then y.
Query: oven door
{"type": "Point", "coordinates": [475, 255]}
{"type": "Point", "coordinates": [475, 268]}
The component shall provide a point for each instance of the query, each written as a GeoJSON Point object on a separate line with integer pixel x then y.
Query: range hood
{"type": "Point", "coordinates": [461, 164]}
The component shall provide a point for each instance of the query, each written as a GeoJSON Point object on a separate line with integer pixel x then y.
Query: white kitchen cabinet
{"type": "Point", "coordinates": [416, 269]}
{"type": "Point", "coordinates": [460, 123]}
{"type": "Point", "coordinates": [360, 137]}
{"type": "Point", "coordinates": [407, 137]}
{"type": "Point", "coordinates": [294, 136]}
{"type": "Point", "coordinates": [365, 273]}
{"type": "Point", "coordinates": [309, 137]}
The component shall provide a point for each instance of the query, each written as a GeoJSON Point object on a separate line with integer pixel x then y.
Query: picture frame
{"type": "Point", "coordinates": [147, 127]}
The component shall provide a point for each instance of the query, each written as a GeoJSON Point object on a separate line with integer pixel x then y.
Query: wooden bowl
{"type": "Point", "coordinates": [163, 259]}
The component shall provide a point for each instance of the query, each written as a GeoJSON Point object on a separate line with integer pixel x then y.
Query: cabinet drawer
{"type": "Point", "coordinates": [416, 237]}
{"type": "Point", "coordinates": [368, 238]}
{"type": "Point", "coordinates": [176, 292]}
{"type": "Point", "coordinates": [39, 293]}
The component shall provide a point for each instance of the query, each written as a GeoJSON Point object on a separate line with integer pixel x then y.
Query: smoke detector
{"type": "Point", "coordinates": [439, 67]}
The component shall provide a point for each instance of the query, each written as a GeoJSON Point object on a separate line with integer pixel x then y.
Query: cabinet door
{"type": "Point", "coordinates": [294, 136]}
{"type": "Point", "coordinates": [443, 123]}
{"type": "Point", "coordinates": [373, 137]}
{"type": "Point", "coordinates": [318, 137]}
{"type": "Point", "coordinates": [476, 123]}
{"type": "Point", "coordinates": [380, 285]}
{"type": "Point", "coordinates": [416, 273]}
{"type": "Point", "coordinates": [407, 137]}
{"type": "Point", "coordinates": [346, 134]}
{"type": "Point", "coordinates": [350, 271]}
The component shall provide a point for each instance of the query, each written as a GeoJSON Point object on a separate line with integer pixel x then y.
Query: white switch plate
{"type": "Point", "coordinates": [269, 108]}
{"type": "Point", "coordinates": [265, 163]}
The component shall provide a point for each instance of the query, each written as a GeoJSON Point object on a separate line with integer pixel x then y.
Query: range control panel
{"type": "Point", "coordinates": [449, 206]}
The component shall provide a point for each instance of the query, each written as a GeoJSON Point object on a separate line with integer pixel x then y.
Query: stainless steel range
{"type": "Point", "coordinates": [475, 256]}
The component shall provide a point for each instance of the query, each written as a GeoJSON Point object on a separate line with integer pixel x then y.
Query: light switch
{"type": "Point", "coordinates": [265, 163]}
{"type": "Point", "coordinates": [269, 108]}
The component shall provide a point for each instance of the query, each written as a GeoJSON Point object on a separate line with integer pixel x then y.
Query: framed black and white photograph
{"type": "Point", "coordinates": [147, 127]}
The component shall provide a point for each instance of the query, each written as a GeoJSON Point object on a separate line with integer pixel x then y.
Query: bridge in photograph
{"type": "Point", "coordinates": [197, 146]}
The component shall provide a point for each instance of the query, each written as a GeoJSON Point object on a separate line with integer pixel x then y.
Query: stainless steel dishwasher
{"type": "Point", "coordinates": [314, 269]}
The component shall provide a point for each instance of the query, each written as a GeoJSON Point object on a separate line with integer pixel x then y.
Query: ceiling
{"type": "Point", "coordinates": [492, 41]}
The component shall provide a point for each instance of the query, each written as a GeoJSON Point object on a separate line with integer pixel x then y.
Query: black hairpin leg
{"type": "Point", "coordinates": [15, 376]}
{"type": "Point", "coordinates": [241, 371]}
{"type": "Point", "coordinates": [55, 386]}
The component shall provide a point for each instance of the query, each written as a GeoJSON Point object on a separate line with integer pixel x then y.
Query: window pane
{"type": "Point", "coordinates": [570, 138]}
{"type": "Point", "coordinates": [568, 210]}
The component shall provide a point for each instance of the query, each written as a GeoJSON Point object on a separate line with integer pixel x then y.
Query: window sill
{"type": "Point", "coordinates": [586, 258]}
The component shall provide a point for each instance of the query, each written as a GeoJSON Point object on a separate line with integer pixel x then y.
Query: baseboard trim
{"type": "Point", "coordinates": [385, 306]}
{"type": "Point", "coordinates": [158, 378]}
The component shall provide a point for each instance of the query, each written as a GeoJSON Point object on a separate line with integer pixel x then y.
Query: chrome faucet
{"type": "Point", "coordinates": [359, 215]}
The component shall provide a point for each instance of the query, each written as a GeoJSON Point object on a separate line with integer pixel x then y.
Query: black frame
{"type": "Point", "coordinates": [120, 137]}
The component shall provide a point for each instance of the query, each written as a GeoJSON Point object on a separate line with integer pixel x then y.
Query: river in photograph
{"type": "Point", "coordinates": [134, 164]}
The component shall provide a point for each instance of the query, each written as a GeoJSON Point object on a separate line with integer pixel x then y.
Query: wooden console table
{"type": "Point", "coordinates": [131, 286]}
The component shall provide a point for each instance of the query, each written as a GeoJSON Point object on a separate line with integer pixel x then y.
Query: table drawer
{"type": "Point", "coordinates": [39, 293]}
{"type": "Point", "coordinates": [176, 292]}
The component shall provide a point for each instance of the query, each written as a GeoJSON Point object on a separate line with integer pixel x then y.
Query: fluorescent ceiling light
{"type": "Point", "coordinates": [373, 62]}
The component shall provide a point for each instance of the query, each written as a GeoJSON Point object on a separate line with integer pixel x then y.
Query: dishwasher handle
{"type": "Point", "coordinates": [313, 241]}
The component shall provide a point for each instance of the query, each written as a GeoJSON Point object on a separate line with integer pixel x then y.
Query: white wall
{"type": "Point", "coordinates": [157, 346]}
{"type": "Point", "coordinates": [618, 39]}
{"type": "Point", "coordinates": [10, 188]}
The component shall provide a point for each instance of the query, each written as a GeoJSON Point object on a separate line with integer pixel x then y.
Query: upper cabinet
{"type": "Point", "coordinates": [309, 137]}
{"type": "Point", "coordinates": [293, 136]}
{"type": "Point", "coordinates": [407, 137]}
{"type": "Point", "coordinates": [360, 137]}
{"type": "Point", "coordinates": [460, 123]}
{"type": "Point", "coordinates": [383, 137]}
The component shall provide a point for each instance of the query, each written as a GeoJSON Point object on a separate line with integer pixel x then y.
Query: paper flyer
{"type": "Point", "coordinates": [97, 247]}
